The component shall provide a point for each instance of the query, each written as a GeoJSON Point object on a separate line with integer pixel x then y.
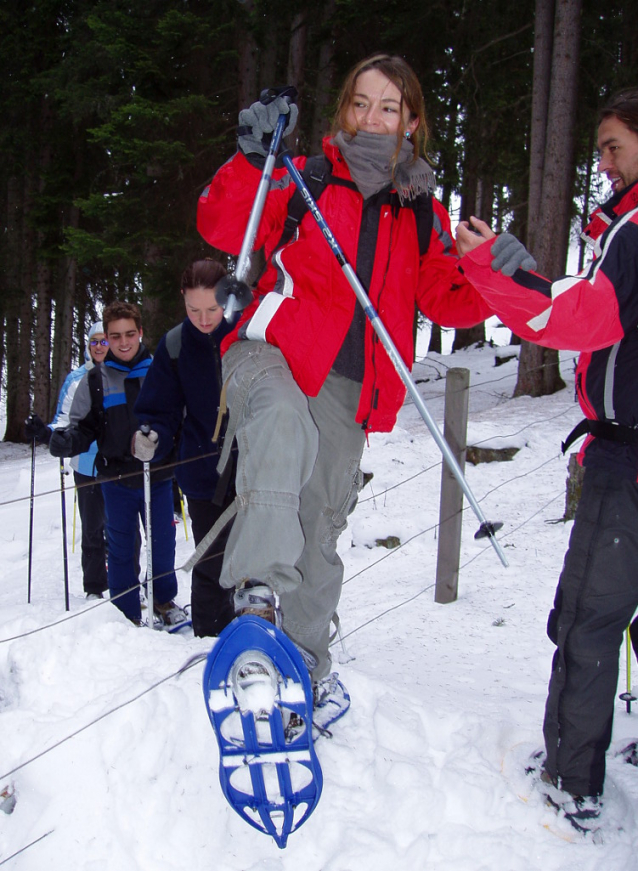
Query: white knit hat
{"type": "Point", "coordinates": [98, 327]}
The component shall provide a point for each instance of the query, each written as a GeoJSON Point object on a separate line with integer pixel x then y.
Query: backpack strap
{"type": "Point", "coordinates": [424, 216]}
{"type": "Point", "coordinates": [317, 174]}
{"type": "Point", "coordinates": [174, 344]}
{"type": "Point", "coordinates": [96, 392]}
{"type": "Point", "coordinates": [96, 389]}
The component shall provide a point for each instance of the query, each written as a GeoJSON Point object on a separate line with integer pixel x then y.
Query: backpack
{"type": "Point", "coordinates": [173, 341]}
{"type": "Point", "coordinates": [174, 345]}
{"type": "Point", "coordinates": [317, 175]}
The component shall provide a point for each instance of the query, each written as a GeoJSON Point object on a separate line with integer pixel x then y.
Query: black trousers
{"type": "Point", "coordinates": [211, 605]}
{"type": "Point", "coordinates": [595, 601]}
{"type": "Point", "coordinates": [91, 508]}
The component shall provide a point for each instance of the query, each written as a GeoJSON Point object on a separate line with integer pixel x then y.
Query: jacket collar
{"type": "Point", "coordinates": [620, 203]}
{"type": "Point", "coordinates": [339, 166]}
{"type": "Point", "coordinates": [112, 361]}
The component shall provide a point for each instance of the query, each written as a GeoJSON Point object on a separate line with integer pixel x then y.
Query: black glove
{"type": "Point", "coordinates": [36, 428]}
{"type": "Point", "coordinates": [258, 120]}
{"type": "Point", "coordinates": [229, 284]}
{"type": "Point", "coordinates": [509, 255]}
{"type": "Point", "coordinates": [61, 444]}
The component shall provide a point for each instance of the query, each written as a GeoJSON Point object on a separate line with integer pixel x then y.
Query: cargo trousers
{"type": "Point", "coordinates": [298, 479]}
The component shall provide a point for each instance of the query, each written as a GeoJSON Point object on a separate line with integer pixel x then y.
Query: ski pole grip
{"type": "Point", "coordinates": [288, 92]}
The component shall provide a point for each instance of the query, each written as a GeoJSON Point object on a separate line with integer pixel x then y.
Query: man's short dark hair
{"type": "Point", "coordinates": [118, 310]}
{"type": "Point", "coordinates": [624, 106]}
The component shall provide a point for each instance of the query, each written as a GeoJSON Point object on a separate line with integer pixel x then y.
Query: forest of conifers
{"type": "Point", "coordinates": [116, 114]}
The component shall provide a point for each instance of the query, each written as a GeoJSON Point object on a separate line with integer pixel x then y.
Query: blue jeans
{"type": "Point", "coordinates": [124, 506]}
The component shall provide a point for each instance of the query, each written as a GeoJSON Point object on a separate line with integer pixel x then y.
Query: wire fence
{"type": "Point", "coordinates": [389, 555]}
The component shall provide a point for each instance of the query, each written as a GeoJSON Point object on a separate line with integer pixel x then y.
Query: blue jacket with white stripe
{"type": "Point", "coordinates": [83, 463]}
{"type": "Point", "coordinates": [103, 410]}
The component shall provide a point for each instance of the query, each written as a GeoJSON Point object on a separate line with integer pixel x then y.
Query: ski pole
{"type": "Point", "coordinates": [181, 505]}
{"type": "Point", "coordinates": [628, 697]}
{"type": "Point", "coordinates": [486, 529]}
{"type": "Point", "coordinates": [145, 428]}
{"type": "Point", "coordinates": [75, 505]}
{"type": "Point", "coordinates": [31, 519]}
{"type": "Point", "coordinates": [64, 550]}
{"type": "Point", "coordinates": [254, 219]}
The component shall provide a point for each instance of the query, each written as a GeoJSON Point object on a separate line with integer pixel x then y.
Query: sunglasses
{"type": "Point", "coordinates": [95, 342]}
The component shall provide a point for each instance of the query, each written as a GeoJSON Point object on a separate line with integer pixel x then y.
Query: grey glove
{"type": "Point", "coordinates": [229, 284]}
{"type": "Point", "coordinates": [258, 120]}
{"type": "Point", "coordinates": [144, 445]}
{"type": "Point", "coordinates": [509, 255]}
{"type": "Point", "coordinates": [61, 444]}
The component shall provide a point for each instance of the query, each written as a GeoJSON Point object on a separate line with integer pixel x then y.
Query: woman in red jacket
{"type": "Point", "coordinates": [306, 376]}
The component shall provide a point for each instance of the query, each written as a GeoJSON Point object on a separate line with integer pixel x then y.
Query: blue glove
{"type": "Point", "coordinates": [258, 120]}
{"type": "Point", "coordinates": [509, 255]}
{"type": "Point", "coordinates": [229, 284]}
{"type": "Point", "coordinates": [61, 444]}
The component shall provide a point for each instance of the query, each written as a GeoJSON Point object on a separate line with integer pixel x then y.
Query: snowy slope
{"type": "Point", "coordinates": [447, 700]}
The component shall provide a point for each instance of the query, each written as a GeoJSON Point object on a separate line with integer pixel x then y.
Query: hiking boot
{"type": "Point", "coordinates": [629, 754]}
{"type": "Point", "coordinates": [535, 768]}
{"type": "Point", "coordinates": [170, 614]}
{"type": "Point", "coordinates": [331, 700]}
{"type": "Point", "coordinates": [255, 683]}
{"type": "Point", "coordinates": [582, 811]}
{"type": "Point", "coordinates": [8, 799]}
{"type": "Point", "coordinates": [255, 597]}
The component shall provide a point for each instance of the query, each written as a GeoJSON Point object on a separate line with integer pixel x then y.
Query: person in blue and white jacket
{"type": "Point", "coordinates": [89, 492]}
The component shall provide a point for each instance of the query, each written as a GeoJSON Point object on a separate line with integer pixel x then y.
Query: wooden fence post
{"type": "Point", "coordinates": [457, 396]}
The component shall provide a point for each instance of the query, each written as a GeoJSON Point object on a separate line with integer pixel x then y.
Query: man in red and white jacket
{"type": "Point", "coordinates": [596, 313]}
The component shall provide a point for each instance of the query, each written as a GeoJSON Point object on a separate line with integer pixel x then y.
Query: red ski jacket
{"type": "Point", "coordinates": [304, 304]}
{"type": "Point", "coordinates": [595, 312]}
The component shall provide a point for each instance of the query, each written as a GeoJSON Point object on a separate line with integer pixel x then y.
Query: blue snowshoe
{"type": "Point", "coordinates": [259, 699]}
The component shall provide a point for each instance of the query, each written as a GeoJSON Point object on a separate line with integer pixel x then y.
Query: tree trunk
{"type": "Point", "coordinates": [11, 304]}
{"type": "Point", "coordinates": [325, 79]}
{"type": "Point", "coordinates": [552, 232]}
{"type": "Point", "coordinates": [474, 202]}
{"type": "Point", "coordinates": [584, 220]}
{"type": "Point", "coordinates": [435, 344]}
{"type": "Point", "coordinates": [554, 99]}
{"type": "Point", "coordinates": [18, 368]}
{"type": "Point", "coordinates": [247, 50]}
{"type": "Point", "coordinates": [538, 371]}
{"type": "Point", "coordinates": [62, 361]}
{"type": "Point", "coordinates": [542, 74]}
{"type": "Point", "coordinates": [42, 342]}
{"type": "Point", "coordinates": [151, 305]}
{"type": "Point", "coordinates": [295, 76]}
{"type": "Point", "coordinates": [42, 333]}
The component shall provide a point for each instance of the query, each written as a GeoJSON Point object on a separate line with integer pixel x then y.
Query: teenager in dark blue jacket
{"type": "Point", "coordinates": [180, 401]}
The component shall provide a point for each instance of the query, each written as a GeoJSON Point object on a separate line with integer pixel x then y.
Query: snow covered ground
{"type": "Point", "coordinates": [111, 754]}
